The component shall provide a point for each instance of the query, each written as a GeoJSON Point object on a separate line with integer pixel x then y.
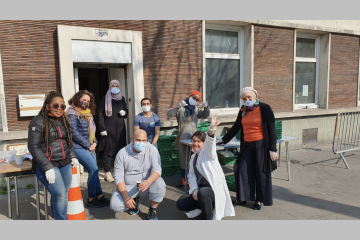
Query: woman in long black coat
{"type": "Point", "coordinates": [258, 153]}
{"type": "Point", "coordinates": [112, 112]}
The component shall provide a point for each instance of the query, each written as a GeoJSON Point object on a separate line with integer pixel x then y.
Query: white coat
{"type": "Point", "coordinates": [209, 167]}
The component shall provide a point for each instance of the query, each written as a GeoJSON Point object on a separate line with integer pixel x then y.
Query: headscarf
{"type": "Point", "coordinates": [109, 96]}
{"type": "Point", "coordinates": [84, 115]}
{"type": "Point", "coordinates": [189, 110]}
{"type": "Point", "coordinates": [250, 90]}
{"type": "Point", "coordinates": [246, 109]}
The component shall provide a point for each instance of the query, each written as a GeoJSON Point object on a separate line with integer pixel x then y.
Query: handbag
{"type": "Point", "coordinates": [177, 140]}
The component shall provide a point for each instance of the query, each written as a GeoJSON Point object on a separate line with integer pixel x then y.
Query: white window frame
{"type": "Point", "coordinates": [305, 59]}
{"type": "Point", "coordinates": [239, 30]}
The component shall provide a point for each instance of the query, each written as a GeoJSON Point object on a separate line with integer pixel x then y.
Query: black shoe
{"type": "Point", "coordinates": [104, 201]}
{"type": "Point", "coordinates": [152, 215]}
{"type": "Point", "coordinates": [235, 203]}
{"type": "Point", "coordinates": [257, 205]}
{"type": "Point", "coordinates": [94, 203]}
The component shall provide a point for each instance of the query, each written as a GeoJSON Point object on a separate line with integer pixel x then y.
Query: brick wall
{"type": "Point", "coordinates": [344, 69]}
{"type": "Point", "coordinates": [273, 66]}
{"type": "Point", "coordinates": [172, 59]}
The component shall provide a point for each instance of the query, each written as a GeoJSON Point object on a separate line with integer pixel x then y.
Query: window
{"type": "Point", "coordinates": [306, 72]}
{"type": "Point", "coordinates": [222, 67]}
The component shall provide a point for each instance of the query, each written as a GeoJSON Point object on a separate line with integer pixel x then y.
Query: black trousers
{"type": "Point", "coordinates": [206, 202]}
{"type": "Point", "coordinates": [107, 163]}
{"type": "Point", "coordinates": [249, 176]}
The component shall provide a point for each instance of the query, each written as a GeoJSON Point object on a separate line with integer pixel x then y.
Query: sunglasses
{"type": "Point", "coordinates": [196, 99]}
{"type": "Point", "coordinates": [56, 106]}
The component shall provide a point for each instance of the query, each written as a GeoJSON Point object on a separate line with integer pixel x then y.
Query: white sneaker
{"type": "Point", "coordinates": [108, 177]}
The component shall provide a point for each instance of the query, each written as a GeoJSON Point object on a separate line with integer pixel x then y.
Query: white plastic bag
{"type": "Point", "coordinates": [7, 156]}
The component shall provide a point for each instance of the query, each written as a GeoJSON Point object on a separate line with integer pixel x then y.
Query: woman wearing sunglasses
{"type": "Point", "coordinates": [83, 127]}
{"type": "Point", "coordinates": [49, 142]}
{"type": "Point", "coordinates": [187, 113]}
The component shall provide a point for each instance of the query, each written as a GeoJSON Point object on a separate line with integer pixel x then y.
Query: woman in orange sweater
{"type": "Point", "coordinates": [258, 153]}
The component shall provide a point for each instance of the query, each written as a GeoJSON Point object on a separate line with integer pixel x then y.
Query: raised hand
{"type": "Point", "coordinates": [214, 122]}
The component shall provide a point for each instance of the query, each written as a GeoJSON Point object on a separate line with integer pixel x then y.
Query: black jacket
{"type": "Point", "coordinates": [58, 153]}
{"type": "Point", "coordinates": [269, 134]}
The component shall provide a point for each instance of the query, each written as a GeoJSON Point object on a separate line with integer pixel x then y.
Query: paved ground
{"type": "Point", "coordinates": [319, 189]}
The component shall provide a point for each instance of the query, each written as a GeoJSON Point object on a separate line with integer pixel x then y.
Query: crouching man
{"type": "Point", "coordinates": [137, 162]}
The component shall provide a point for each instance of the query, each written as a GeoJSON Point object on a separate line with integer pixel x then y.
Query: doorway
{"type": "Point", "coordinates": [96, 80]}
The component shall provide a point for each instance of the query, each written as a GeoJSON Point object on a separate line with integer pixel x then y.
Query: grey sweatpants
{"type": "Point", "coordinates": [155, 192]}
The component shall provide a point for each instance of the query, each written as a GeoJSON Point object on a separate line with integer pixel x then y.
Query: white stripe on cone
{"type": "Point", "coordinates": [75, 207]}
{"type": "Point", "coordinates": [74, 181]}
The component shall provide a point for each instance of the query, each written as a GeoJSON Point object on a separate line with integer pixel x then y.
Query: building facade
{"type": "Point", "coordinates": [307, 70]}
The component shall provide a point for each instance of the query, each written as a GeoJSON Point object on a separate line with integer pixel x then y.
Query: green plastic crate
{"type": "Point", "coordinates": [238, 135]}
{"type": "Point", "coordinates": [170, 162]}
{"type": "Point", "coordinates": [167, 138]}
{"type": "Point", "coordinates": [165, 154]}
{"type": "Point", "coordinates": [228, 160]}
{"type": "Point", "coordinates": [166, 145]}
{"type": "Point", "coordinates": [278, 126]}
{"type": "Point", "coordinates": [230, 181]}
{"type": "Point", "coordinates": [203, 124]}
{"type": "Point", "coordinates": [203, 129]}
{"type": "Point", "coordinates": [169, 153]}
{"type": "Point", "coordinates": [170, 171]}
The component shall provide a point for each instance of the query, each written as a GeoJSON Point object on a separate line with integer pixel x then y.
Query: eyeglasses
{"type": "Point", "coordinates": [196, 99]}
{"type": "Point", "coordinates": [56, 106]}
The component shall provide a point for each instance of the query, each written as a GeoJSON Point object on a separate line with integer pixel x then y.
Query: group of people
{"type": "Point", "coordinates": [59, 140]}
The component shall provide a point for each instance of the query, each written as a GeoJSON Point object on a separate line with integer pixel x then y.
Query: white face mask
{"type": "Point", "coordinates": [145, 108]}
{"type": "Point", "coordinates": [250, 103]}
{"type": "Point", "coordinates": [192, 101]}
{"type": "Point", "coordinates": [195, 151]}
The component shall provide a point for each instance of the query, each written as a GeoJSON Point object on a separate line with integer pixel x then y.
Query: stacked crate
{"type": "Point", "coordinates": [228, 160]}
{"type": "Point", "coordinates": [278, 126]}
{"type": "Point", "coordinates": [230, 181]}
{"type": "Point", "coordinates": [169, 155]}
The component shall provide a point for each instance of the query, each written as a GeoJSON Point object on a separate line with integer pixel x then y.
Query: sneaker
{"type": "Point", "coordinates": [152, 215]}
{"type": "Point", "coordinates": [94, 203]}
{"type": "Point", "coordinates": [136, 210]}
{"type": "Point", "coordinates": [108, 177]}
{"type": "Point", "coordinates": [104, 201]}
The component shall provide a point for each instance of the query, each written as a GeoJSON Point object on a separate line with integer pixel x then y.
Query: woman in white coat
{"type": "Point", "coordinates": [208, 192]}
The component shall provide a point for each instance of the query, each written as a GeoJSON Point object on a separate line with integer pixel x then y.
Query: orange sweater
{"type": "Point", "coordinates": [252, 126]}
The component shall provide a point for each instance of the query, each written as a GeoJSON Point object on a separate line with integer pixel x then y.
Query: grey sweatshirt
{"type": "Point", "coordinates": [130, 167]}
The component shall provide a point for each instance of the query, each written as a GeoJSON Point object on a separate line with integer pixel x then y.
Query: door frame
{"type": "Point", "coordinates": [135, 75]}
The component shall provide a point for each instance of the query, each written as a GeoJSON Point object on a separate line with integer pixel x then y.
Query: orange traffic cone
{"type": "Point", "coordinates": [75, 210]}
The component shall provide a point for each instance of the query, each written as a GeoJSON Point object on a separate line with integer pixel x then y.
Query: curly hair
{"type": "Point", "coordinates": [75, 100]}
{"type": "Point", "coordinates": [47, 123]}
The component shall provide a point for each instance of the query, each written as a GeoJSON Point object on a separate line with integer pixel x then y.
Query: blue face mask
{"type": "Point", "coordinates": [139, 146]}
{"type": "Point", "coordinates": [250, 103]}
{"type": "Point", "coordinates": [115, 90]}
